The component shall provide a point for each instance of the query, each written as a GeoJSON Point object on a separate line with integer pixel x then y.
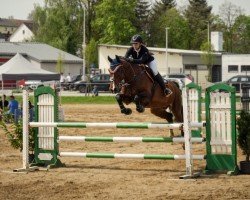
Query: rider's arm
{"type": "Point", "coordinates": [128, 53]}
{"type": "Point", "coordinates": [142, 60]}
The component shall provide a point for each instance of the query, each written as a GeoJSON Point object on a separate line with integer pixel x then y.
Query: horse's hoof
{"type": "Point", "coordinates": [140, 109]}
{"type": "Point", "coordinates": [126, 111]}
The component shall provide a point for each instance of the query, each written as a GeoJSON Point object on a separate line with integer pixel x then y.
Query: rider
{"type": "Point", "coordinates": [139, 54]}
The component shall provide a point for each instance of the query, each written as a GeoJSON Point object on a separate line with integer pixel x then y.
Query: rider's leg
{"type": "Point", "coordinates": [159, 78]}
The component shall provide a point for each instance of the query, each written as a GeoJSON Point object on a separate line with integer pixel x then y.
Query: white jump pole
{"type": "Point", "coordinates": [26, 166]}
{"type": "Point", "coordinates": [187, 138]}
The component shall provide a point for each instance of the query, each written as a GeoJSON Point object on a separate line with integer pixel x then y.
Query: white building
{"type": "Point", "coordinates": [23, 33]}
{"type": "Point", "coordinates": [235, 64]}
{"type": "Point", "coordinates": [176, 61]}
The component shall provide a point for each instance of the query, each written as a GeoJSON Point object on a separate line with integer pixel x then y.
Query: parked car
{"type": "Point", "coordinates": [69, 85]}
{"type": "Point", "coordinates": [102, 82]}
{"type": "Point", "coordinates": [238, 81]}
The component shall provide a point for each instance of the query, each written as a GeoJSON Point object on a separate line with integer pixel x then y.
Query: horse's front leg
{"type": "Point", "coordinates": [124, 110]}
{"type": "Point", "coordinates": [141, 100]}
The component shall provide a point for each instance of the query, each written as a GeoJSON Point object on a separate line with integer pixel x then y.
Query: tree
{"type": "Point", "coordinates": [92, 53]}
{"type": "Point", "coordinates": [241, 38]}
{"type": "Point", "coordinates": [59, 24]}
{"type": "Point", "coordinates": [60, 64]}
{"type": "Point", "coordinates": [113, 23]}
{"type": "Point", "coordinates": [159, 10]}
{"type": "Point", "coordinates": [229, 13]}
{"type": "Point", "coordinates": [162, 6]}
{"type": "Point", "coordinates": [198, 14]}
{"type": "Point", "coordinates": [89, 7]}
{"type": "Point", "coordinates": [207, 57]}
{"type": "Point", "coordinates": [177, 34]}
{"type": "Point", "coordinates": [142, 11]}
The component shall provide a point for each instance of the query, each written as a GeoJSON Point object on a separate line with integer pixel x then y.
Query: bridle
{"type": "Point", "coordinates": [124, 83]}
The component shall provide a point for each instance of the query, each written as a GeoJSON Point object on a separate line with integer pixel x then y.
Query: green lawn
{"type": "Point", "coordinates": [88, 100]}
{"type": "Point", "coordinates": [81, 100]}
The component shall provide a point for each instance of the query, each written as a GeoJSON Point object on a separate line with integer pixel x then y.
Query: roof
{"type": "Point", "coordinates": [174, 51]}
{"type": "Point", "coordinates": [37, 51]}
{"type": "Point", "coordinates": [13, 22]}
{"type": "Point", "coordinates": [30, 25]}
{"type": "Point", "coordinates": [18, 68]}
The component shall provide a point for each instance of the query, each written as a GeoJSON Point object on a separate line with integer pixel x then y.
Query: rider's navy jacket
{"type": "Point", "coordinates": [141, 57]}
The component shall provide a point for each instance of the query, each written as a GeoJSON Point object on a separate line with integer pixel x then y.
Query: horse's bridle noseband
{"type": "Point", "coordinates": [128, 83]}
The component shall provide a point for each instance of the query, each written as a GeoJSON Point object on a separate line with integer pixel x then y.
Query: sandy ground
{"type": "Point", "coordinates": [114, 178]}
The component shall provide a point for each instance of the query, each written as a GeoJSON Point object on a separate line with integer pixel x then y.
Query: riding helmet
{"type": "Point", "coordinates": [136, 39]}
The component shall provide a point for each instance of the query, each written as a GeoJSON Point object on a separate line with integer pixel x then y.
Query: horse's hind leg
{"type": "Point", "coordinates": [162, 113]}
{"type": "Point", "coordinates": [178, 114]}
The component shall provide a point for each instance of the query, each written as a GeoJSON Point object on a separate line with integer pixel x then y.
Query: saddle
{"type": "Point", "coordinates": [149, 72]}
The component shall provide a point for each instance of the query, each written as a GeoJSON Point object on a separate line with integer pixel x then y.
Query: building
{"type": "Point", "coordinates": [41, 56]}
{"type": "Point", "coordinates": [175, 61]}
{"type": "Point", "coordinates": [235, 64]}
{"type": "Point", "coordinates": [23, 33]}
{"type": "Point", "coordinates": [9, 26]}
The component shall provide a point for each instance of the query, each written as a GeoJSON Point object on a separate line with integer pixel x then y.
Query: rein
{"type": "Point", "coordinates": [134, 77]}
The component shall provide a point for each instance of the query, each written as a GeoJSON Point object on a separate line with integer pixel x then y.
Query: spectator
{"type": "Point", "coordinates": [13, 105]}
{"type": "Point", "coordinates": [95, 91]}
{"type": "Point", "coordinates": [31, 112]}
{"type": "Point", "coordinates": [3, 103]}
{"type": "Point", "coordinates": [68, 78]}
{"type": "Point", "coordinates": [62, 78]}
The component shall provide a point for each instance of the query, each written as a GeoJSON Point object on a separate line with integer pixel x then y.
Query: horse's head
{"type": "Point", "coordinates": [117, 73]}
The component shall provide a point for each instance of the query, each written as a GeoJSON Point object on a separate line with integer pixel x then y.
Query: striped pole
{"type": "Point", "coordinates": [128, 139]}
{"type": "Point", "coordinates": [133, 156]}
{"type": "Point", "coordinates": [139, 125]}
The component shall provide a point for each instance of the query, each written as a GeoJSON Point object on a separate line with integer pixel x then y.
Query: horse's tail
{"type": "Point", "coordinates": [177, 107]}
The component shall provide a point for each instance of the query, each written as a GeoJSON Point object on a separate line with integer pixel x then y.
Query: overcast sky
{"type": "Point", "coordinates": [20, 9]}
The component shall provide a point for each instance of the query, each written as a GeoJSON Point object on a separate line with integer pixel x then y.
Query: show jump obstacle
{"type": "Point", "coordinates": [220, 130]}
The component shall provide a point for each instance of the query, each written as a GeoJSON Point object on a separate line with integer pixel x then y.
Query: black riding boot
{"type": "Point", "coordinates": [160, 80]}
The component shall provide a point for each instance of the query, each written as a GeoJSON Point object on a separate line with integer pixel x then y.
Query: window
{"type": "Point", "coordinates": [96, 78]}
{"type": "Point", "coordinates": [244, 79]}
{"type": "Point", "coordinates": [245, 68]}
{"type": "Point", "coordinates": [232, 68]}
{"type": "Point", "coordinates": [190, 67]}
{"type": "Point", "coordinates": [106, 77]}
{"type": "Point", "coordinates": [235, 79]}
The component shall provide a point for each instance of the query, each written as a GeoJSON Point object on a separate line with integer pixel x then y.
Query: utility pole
{"type": "Point", "coordinates": [208, 35]}
{"type": "Point", "coordinates": [167, 50]}
{"type": "Point", "coordinates": [84, 45]}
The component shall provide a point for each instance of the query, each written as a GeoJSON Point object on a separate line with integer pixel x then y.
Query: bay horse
{"type": "Point", "coordinates": [136, 84]}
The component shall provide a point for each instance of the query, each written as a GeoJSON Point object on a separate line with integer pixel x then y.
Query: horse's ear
{"type": "Point", "coordinates": [110, 59]}
{"type": "Point", "coordinates": [118, 59]}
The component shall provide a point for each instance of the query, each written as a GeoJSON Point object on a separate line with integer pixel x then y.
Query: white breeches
{"type": "Point", "coordinates": [153, 66]}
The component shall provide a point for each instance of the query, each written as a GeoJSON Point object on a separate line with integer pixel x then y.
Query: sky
{"type": "Point", "coordinates": [20, 9]}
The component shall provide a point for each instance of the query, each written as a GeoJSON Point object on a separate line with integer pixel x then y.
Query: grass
{"type": "Point", "coordinates": [88, 100]}
{"type": "Point", "coordinates": [81, 99]}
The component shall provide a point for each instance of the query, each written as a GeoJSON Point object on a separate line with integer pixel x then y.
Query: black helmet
{"type": "Point", "coordinates": [136, 39]}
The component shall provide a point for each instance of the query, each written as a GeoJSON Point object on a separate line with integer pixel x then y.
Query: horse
{"type": "Point", "coordinates": [135, 83]}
